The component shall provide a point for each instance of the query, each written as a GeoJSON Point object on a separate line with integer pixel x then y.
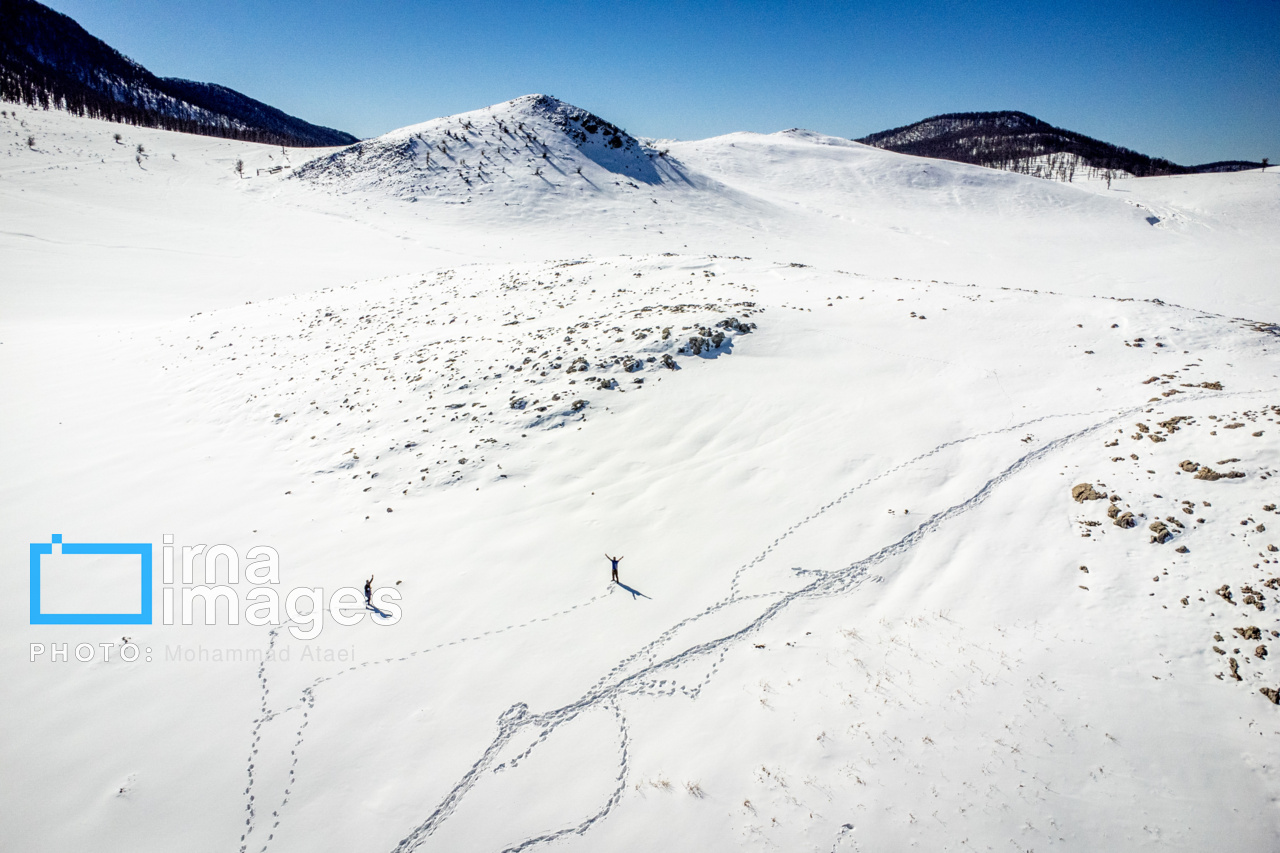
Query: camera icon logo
{"type": "Point", "coordinates": [76, 583]}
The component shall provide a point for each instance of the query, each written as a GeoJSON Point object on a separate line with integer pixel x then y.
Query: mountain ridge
{"type": "Point", "coordinates": [47, 60]}
{"type": "Point", "coordinates": [1011, 140]}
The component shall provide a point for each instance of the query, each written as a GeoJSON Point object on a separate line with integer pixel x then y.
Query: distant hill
{"type": "Point", "coordinates": [50, 61]}
{"type": "Point", "coordinates": [1018, 142]}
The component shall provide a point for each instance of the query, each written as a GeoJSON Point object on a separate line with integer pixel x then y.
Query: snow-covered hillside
{"type": "Point", "coordinates": [944, 496]}
{"type": "Point", "coordinates": [534, 144]}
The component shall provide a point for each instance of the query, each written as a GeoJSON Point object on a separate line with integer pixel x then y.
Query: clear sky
{"type": "Point", "coordinates": [1190, 81]}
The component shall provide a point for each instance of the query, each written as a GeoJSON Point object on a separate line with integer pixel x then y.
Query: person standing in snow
{"type": "Point", "coordinates": [368, 591]}
{"type": "Point", "coordinates": [615, 561]}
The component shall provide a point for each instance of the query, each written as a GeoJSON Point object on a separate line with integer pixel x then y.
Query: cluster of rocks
{"type": "Point", "coordinates": [1120, 519]}
{"type": "Point", "coordinates": [1249, 595]}
{"type": "Point", "coordinates": [733, 324]}
{"type": "Point", "coordinates": [1243, 664]}
{"type": "Point", "coordinates": [1252, 634]}
{"type": "Point", "coordinates": [1158, 435]}
{"type": "Point", "coordinates": [1246, 633]}
{"type": "Point", "coordinates": [706, 339]}
{"type": "Point", "coordinates": [1124, 519]}
{"type": "Point", "coordinates": [1207, 473]}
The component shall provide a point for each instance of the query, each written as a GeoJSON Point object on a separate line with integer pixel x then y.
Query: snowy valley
{"type": "Point", "coordinates": [945, 496]}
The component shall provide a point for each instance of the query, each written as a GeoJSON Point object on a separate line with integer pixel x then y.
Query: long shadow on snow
{"type": "Point", "coordinates": [635, 593]}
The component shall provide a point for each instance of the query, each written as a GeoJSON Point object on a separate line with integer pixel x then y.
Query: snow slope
{"type": "Point", "coordinates": [860, 609]}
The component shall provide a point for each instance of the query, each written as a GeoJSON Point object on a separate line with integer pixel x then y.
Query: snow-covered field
{"type": "Point", "coordinates": [835, 407]}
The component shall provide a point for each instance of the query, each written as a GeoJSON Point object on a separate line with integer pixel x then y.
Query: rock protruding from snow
{"type": "Point", "coordinates": [1085, 492]}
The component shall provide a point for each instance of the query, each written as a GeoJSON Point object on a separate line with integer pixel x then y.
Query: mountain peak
{"type": "Point", "coordinates": [576, 123]}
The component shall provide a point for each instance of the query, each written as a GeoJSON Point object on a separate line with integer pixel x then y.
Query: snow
{"type": "Point", "coordinates": [855, 615]}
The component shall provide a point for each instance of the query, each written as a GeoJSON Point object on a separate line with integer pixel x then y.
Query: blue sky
{"type": "Point", "coordinates": [1190, 81]}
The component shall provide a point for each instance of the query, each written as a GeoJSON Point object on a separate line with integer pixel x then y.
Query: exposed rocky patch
{"type": "Point", "coordinates": [424, 382]}
{"type": "Point", "coordinates": [1192, 517]}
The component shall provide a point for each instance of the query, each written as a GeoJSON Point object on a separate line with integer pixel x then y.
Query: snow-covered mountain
{"type": "Point", "coordinates": [531, 144]}
{"type": "Point", "coordinates": [48, 60]}
{"type": "Point", "coordinates": [944, 495]}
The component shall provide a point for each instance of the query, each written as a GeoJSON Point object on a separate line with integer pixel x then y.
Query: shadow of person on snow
{"type": "Point", "coordinates": [384, 614]}
{"type": "Point", "coordinates": [635, 593]}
